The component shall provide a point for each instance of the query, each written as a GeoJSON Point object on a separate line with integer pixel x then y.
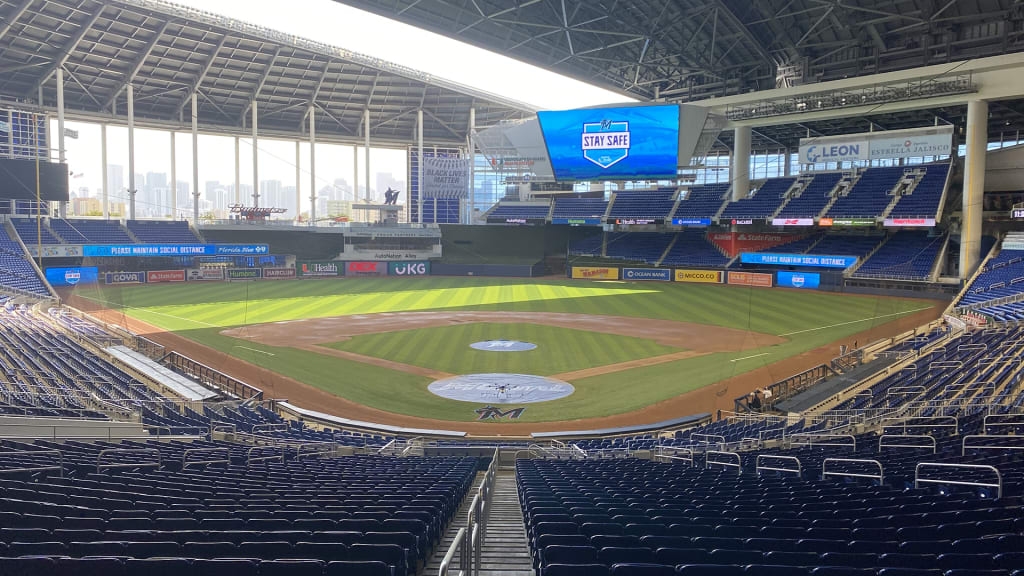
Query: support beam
{"type": "Point", "coordinates": [261, 83]}
{"type": "Point", "coordinates": [787, 162]}
{"type": "Point", "coordinates": [195, 111]}
{"type": "Point", "coordinates": [238, 176]}
{"type": "Point", "coordinates": [472, 163]}
{"type": "Point", "coordinates": [974, 186]}
{"type": "Point", "coordinates": [741, 163]}
{"type": "Point", "coordinates": [174, 180]}
{"type": "Point", "coordinates": [131, 151]}
{"type": "Point", "coordinates": [137, 65]}
{"type": "Point", "coordinates": [61, 149]}
{"type": "Point", "coordinates": [255, 160]}
{"type": "Point", "coordinates": [355, 173]}
{"type": "Point", "coordinates": [195, 161]}
{"type": "Point", "coordinates": [419, 164]}
{"type": "Point", "coordinates": [366, 143]}
{"type": "Point", "coordinates": [311, 116]}
{"type": "Point", "coordinates": [13, 17]}
{"type": "Point", "coordinates": [103, 160]}
{"type": "Point", "coordinates": [298, 181]}
{"type": "Point", "coordinates": [203, 71]}
{"type": "Point", "coordinates": [65, 52]}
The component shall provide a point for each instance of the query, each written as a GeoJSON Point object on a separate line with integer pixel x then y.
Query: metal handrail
{"type": "Point", "coordinates": [904, 423]}
{"type": "Point", "coordinates": [704, 438]}
{"type": "Point", "coordinates": [450, 554]}
{"type": "Point", "coordinates": [812, 436]}
{"type": "Point", "coordinates": [758, 467]}
{"type": "Point", "coordinates": [59, 466]}
{"type": "Point", "coordinates": [883, 437]}
{"type": "Point", "coordinates": [880, 476]}
{"type": "Point", "coordinates": [708, 461]}
{"type": "Point", "coordinates": [964, 447]}
{"type": "Point", "coordinates": [185, 454]}
{"type": "Point", "coordinates": [918, 480]}
{"type": "Point", "coordinates": [249, 459]}
{"type": "Point", "coordinates": [99, 458]}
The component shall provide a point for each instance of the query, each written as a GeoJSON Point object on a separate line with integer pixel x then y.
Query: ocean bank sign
{"type": "Point", "coordinates": [821, 152]}
{"type": "Point", "coordinates": [111, 250]}
{"type": "Point", "coordinates": [797, 260]}
{"type": "Point", "coordinates": [662, 274]}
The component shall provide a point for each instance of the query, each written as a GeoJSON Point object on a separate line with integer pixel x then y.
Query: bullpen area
{"type": "Point", "coordinates": [499, 356]}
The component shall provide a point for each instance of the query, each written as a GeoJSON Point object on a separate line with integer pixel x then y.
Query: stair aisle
{"type": "Point", "coordinates": [459, 521]}
{"type": "Point", "coordinates": [506, 551]}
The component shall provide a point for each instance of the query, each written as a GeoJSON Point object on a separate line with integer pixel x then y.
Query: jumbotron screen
{"type": "Point", "coordinates": [636, 142]}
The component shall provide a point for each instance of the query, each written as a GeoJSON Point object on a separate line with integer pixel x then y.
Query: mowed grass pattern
{"type": "Point", "coordinates": [446, 348]}
{"type": "Point", "coordinates": [808, 319]}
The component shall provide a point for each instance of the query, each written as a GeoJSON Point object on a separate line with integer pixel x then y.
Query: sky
{"type": "Point", "coordinates": [333, 23]}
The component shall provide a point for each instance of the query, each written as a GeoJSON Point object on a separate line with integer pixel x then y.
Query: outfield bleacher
{"type": "Point", "coordinates": [162, 232]}
{"type": "Point", "coordinates": [814, 197]}
{"type": "Point", "coordinates": [79, 231]}
{"type": "Point", "coordinates": [692, 248]}
{"type": "Point", "coordinates": [643, 204]}
{"type": "Point", "coordinates": [906, 255]}
{"type": "Point", "coordinates": [870, 194]}
{"type": "Point", "coordinates": [579, 208]}
{"type": "Point", "coordinates": [702, 201]}
{"type": "Point", "coordinates": [16, 271]}
{"type": "Point", "coordinates": [923, 201]}
{"type": "Point", "coordinates": [763, 202]}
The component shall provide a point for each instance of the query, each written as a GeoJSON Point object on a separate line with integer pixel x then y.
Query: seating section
{"type": "Point", "coordinates": [923, 202]}
{"type": "Point", "coordinates": [15, 269]}
{"type": "Point", "coordinates": [763, 202]}
{"type": "Point", "coordinates": [589, 246]}
{"type": "Point", "coordinates": [279, 515]}
{"type": "Point", "coordinates": [798, 246]}
{"type": "Point", "coordinates": [579, 208]}
{"type": "Point", "coordinates": [637, 246]}
{"type": "Point", "coordinates": [908, 255]}
{"type": "Point", "coordinates": [162, 232]}
{"type": "Point", "coordinates": [1003, 276]}
{"type": "Point", "coordinates": [846, 245]}
{"type": "Point", "coordinates": [30, 231]}
{"type": "Point", "coordinates": [692, 248]}
{"type": "Point", "coordinates": [814, 197]}
{"type": "Point", "coordinates": [870, 195]}
{"type": "Point", "coordinates": [90, 231]}
{"type": "Point", "coordinates": [643, 204]}
{"type": "Point", "coordinates": [520, 211]}
{"type": "Point", "coordinates": [702, 201]}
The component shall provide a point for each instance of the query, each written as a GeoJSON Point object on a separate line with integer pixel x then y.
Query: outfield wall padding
{"type": "Point", "coordinates": [503, 270]}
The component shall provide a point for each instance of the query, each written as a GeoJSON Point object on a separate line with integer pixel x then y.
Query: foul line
{"type": "Point", "coordinates": [905, 312]}
{"type": "Point", "coordinates": [748, 357]}
{"type": "Point", "coordinates": [255, 350]}
{"type": "Point", "coordinates": [148, 311]}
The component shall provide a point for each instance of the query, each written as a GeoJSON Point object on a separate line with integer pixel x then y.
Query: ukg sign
{"type": "Point", "coordinates": [408, 268]}
{"type": "Point", "coordinates": [366, 269]}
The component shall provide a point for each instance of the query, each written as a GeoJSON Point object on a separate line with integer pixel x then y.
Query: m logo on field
{"type": "Point", "coordinates": [492, 413]}
{"type": "Point", "coordinates": [606, 142]}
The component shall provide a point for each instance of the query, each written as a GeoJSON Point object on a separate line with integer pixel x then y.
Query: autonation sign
{"type": "Point", "coordinates": [797, 260]}
{"type": "Point", "coordinates": [108, 250]}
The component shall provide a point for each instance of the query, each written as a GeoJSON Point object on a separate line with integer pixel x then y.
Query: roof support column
{"type": "Point", "coordinates": [130, 93]}
{"type": "Point", "coordinates": [238, 176]}
{"type": "Point", "coordinates": [366, 143]}
{"type": "Point", "coordinates": [419, 164]}
{"type": "Point", "coordinates": [472, 164]}
{"type": "Point", "coordinates": [255, 161]}
{"type": "Point", "coordinates": [312, 164]}
{"type": "Point", "coordinates": [974, 186]}
{"type": "Point", "coordinates": [787, 162]}
{"type": "Point", "coordinates": [355, 173]}
{"type": "Point", "coordinates": [174, 180]}
{"type": "Point", "coordinates": [195, 162]}
{"type": "Point", "coordinates": [61, 150]}
{"type": "Point", "coordinates": [741, 163]}
{"type": "Point", "coordinates": [103, 160]}
{"type": "Point", "coordinates": [298, 180]}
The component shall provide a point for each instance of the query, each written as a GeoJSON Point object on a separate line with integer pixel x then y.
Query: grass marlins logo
{"type": "Point", "coordinates": [606, 142]}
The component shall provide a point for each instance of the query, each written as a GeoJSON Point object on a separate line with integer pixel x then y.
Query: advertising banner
{"type": "Point", "coordinates": [792, 221]}
{"type": "Point", "coordinates": [706, 276]}
{"type": "Point", "coordinates": [154, 276]}
{"type": "Point", "coordinates": [732, 243]}
{"type": "Point", "coordinates": [743, 221]}
{"type": "Point", "coordinates": [351, 253]}
{"type": "Point", "coordinates": [244, 273]}
{"type": "Point", "coordinates": [55, 251]}
{"type": "Point", "coordinates": [937, 144]}
{"type": "Point", "coordinates": [320, 269]}
{"type": "Point", "coordinates": [612, 143]}
{"type": "Point", "coordinates": [911, 222]}
{"type": "Point", "coordinates": [577, 221]}
{"type": "Point", "coordinates": [445, 177]}
{"type": "Point", "coordinates": [846, 222]}
{"type": "Point", "coordinates": [72, 276]}
{"type": "Point", "coordinates": [798, 279]}
{"type": "Point", "coordinates": [408, 268]}
{"type": "Point", "coordinates": [798, 260]}
{"type": "Point", "coordinates": [813, 151]}
{"type": "Point", "coordinates": [595, 273]}
{"type": "Point", "coordinates": [278, 273]}
{"type": "Point", "coordinates": [750, 279]}
{"type": "Point", "coordinates": [366, 269]}
{"type": "Point", "coordinates": [662, 274]}
{"type": "Point", "coordinates": [205, 274]}
{"type": "Point", "coordinates": [108, 250]}
{"type": "Point", "coordinates": [691, 221]}
{"type": "Point", "coordinates": [637, 221]}
{"type": "Point", "coordinates": [124, 278]}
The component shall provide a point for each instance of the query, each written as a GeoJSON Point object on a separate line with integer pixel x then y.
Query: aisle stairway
{"type": "Point", "coordinates": [506, 551]}
{"type": "Point", "coordinates": [459, 521]}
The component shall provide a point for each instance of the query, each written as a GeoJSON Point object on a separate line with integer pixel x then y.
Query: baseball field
{"type": "Point", "coordinates": [623, 346]}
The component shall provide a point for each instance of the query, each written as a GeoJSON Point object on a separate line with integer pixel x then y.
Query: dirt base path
{"type": "Point", "coordinates": [718, 396]}
{"type": "Point", "coordinates": [638, 363]}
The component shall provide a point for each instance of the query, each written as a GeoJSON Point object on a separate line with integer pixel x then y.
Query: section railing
{"type": "Point", "coordinates": [469, 539]}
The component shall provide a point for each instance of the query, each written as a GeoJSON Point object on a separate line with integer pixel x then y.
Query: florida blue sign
{"type": "Point", "coordinates": [109, 250]}
{"type": "Point", "coordinates": [813, 260]}
{"type": "Point", "coordinates": [798, 279]}
{"type": "Point", "coordinates": [612, 143]}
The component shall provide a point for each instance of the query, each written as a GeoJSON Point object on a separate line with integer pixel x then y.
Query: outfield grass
{"type": "Point", "coordinates": [806, 319]}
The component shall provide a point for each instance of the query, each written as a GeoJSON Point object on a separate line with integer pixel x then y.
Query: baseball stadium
{"type": "Point", "coordinates": [511, 288]}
